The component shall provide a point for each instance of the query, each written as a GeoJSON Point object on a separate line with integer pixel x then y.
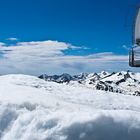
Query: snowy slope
{"type": "Point", "coordinates": [34, 109]}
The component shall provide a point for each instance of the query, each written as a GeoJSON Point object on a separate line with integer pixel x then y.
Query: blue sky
{"type": "Point", "coordinates": [92, 26]}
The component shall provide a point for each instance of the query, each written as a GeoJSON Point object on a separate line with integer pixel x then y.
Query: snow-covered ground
{"type": "Point", "coordinates": [34, 109]}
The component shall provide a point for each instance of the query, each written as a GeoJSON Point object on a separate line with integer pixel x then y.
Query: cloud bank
{"type": "Point", "coordinates": [37, 57]}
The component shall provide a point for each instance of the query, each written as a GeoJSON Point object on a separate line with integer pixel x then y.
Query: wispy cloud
{"type": "Point", "coordinates": [12, 39]}
{"type": "Point", "coordinates": [38, 57]}
{"type": "Point", "coordinates": [126, 47]}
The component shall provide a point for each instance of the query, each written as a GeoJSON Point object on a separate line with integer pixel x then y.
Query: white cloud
{"type": "Point", "coordinates": [39, 57]}
{"type": "Point", "coordinates": [12, 39]}
{"type": "Point", "coordinates": [2, 44]}
{"type": "Point", "coordinates": [126, 47]}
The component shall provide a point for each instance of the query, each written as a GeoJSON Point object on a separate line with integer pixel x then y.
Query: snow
{"type": "Point", "coordinates": [34, 109]}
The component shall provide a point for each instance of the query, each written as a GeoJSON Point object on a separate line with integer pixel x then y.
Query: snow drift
{"type": "Point", "coordinates": [34, 109]}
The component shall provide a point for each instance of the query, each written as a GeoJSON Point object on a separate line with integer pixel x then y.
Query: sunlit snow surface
{"type": "Point", "coordinates": [33, 109]}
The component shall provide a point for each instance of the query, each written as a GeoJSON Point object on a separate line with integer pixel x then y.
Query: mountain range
{"type": "Point", "coordinates": [124, 82]}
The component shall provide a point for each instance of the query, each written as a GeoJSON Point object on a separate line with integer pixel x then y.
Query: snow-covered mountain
{"type": "Point", "coordinates": [35, 109]}
{"type": "Point", "coordinates": [120, 82]}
